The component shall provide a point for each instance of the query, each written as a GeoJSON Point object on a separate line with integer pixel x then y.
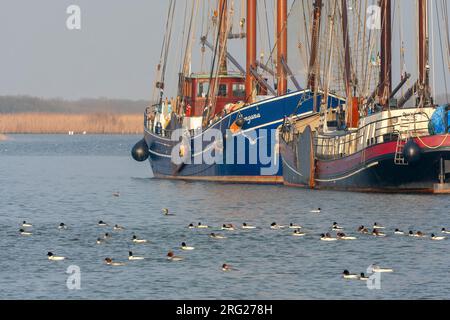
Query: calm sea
{"type": "Point", "coordinates": [49, 179]}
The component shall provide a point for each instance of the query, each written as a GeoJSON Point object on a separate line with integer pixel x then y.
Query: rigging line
{"type": "Point", "coordinates": [182, 61]}
{"type": "Point", "coordinates": [207, 100]}
{"type": "Point", "coordinates": [442, 52]}
{"type": "Point", "coordinates": [187, 56]}
{"type": "Point", "coordinates": [268, 37]}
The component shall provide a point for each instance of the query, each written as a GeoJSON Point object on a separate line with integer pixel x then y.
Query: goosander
{"type": "Point", "coordinates": [297, 233]}
{"type": "Point", "coordinates": [342, 236]}
{"type": "Point", "coordinates": [377, 233]}
{"type": "Point", "coordinates": [294, 226]}
{"type": "Point", "coordinates": [132, 257]}
{"type": "Point", "coordinates": [275, 226]}
{"type": "Point", "coordinates": [191, 226]}
{"type": "Point", "coordinates": [347, 275]}
{"type": "Point", "coordinates": [216, 236]}
{"type": "Point", "coordinates": [54, 258]}
{"type": "Point", "coordinates": [99, 241]}
{"type": "Point", "coordinates": [202, 226]}
{"type": "Point", "coordinates": [378, 269]}
{"type": "Point", "coordinates": [102, 224]}
{"type": "Point", "coordinates": [335, 226]}
{"type": "Point", "coordinates": [420, 234]}
{"type": "Point", "coordinates": [445, 231]}
{"type": "Point", "coordinates": [118, 228]}
{"type": "Point", "coordinates": [185, 247]}
{"type": "Point", "coordinates": [136, 240]}
{"type": "Point", "coordinates": [62, 226]}
{"type": "Point", "coordinates": [172, 257]}
{"type": "Point", "coordinates": [165, 211]}
{"type": "Point", "coordinates": [110, 262]}
{"type": "Point", "coordinates": [363, 230]}
{"type": "Point", "coordinates": [327, 237]}
{"type": "Point", "coordinates": [26, 225]}
{"type": "Point", "coordinates": [398, 232]}
{"type": "Point", "coordinates": [376, 226]}
{"type": "Point", "coordinates": [226, 267]}
{"type": "Point", "coordinates": [25, 233]}
{"type": "Point", "coordinates": [363, 277]}
{"type": "Point", "coordinates": [228, 227]}
{"type": "Point", "coordinates": [106, 236]}
{"type": "Point", "coordinates": [318, 210]}
{"type": "Point", "coordinates": [437, 238]}
{"type": "Point", "coordinates": [246, 226]}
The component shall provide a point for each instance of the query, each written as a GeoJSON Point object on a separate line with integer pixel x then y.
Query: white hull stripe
{"type": "Point", "coordinates": [349, 175]}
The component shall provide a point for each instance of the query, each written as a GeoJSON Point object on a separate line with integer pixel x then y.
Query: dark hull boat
{"type": "Point", "coordinates": [395, 161]}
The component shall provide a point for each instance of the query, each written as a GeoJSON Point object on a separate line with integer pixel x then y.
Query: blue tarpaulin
{"type": "Point", "coordinates": [439, 123]}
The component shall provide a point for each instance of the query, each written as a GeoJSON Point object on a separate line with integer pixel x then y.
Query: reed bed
{"type": "Point", "coordinates": [56, 123]}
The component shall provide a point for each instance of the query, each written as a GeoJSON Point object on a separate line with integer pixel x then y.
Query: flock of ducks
{"type": "Point", "coordinates": [376, 231]}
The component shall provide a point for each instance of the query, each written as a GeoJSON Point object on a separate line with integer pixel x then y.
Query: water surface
{"type": "Point", "coordinates": [48, 179]}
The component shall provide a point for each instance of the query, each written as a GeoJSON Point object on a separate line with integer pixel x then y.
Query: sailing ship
{"type": "Point", "coordinates": [380, 142]}
{"type": "Point", "coordinates": [236, 108]}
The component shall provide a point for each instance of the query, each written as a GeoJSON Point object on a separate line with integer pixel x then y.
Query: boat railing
{"type": "Point", "coordinates": [349, 142]}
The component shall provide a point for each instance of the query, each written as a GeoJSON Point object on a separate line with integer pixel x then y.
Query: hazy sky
{"type": "Point", "coordinates": [113, 55]}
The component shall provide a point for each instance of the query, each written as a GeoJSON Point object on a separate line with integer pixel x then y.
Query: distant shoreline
{"type": "Point", "coordinates": [59, 123]}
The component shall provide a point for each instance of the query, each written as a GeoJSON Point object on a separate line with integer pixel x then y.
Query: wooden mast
{"type": "Point", "coordinates": [385, 88]}
{"type": "Point", "coordinates": [347, 63]}
{"type": "Point", "coordinates": [281, 46]}
{"type": "Point", "coordinates": [223, 18]}
{"type": "Point", "coordinates": [424, 83]}
{"type": "Point", "coordinates": [314, 60]}
{"type": "Point", "coordinates": [250, 86]}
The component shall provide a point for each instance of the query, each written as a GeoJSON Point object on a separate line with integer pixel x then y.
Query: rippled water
{"type": "Point", "coordinates": [50, 179]}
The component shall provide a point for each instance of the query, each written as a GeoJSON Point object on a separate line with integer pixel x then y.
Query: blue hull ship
{"type": "Point", "coordinates": [257, 159]}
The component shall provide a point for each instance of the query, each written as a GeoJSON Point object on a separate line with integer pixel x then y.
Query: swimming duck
{"type": "Point", "coordinates": [25, 233]}
{"type": "Point", "coordinates": [172, 257]}
{"type": "Point", "coordinates": [419, 234]}
{"type": "Point", "coordinates": [226, 267]}
{"type": "Point", "coordinates": [318, 210]}
{"type": "Point", "coordinates": [378, 269]}
{"type": "Point", "coordinates": [54, 258]}
{"type": "Point", "coordinates": [136, 240]}
{"type": "Point", "coordinates": [445, 231]}
{"type": "Point", "coordinates": [165, 211]}
{"type": "Point", "coordinates": [216, 236]}
{"type": "Point", "coordinates": [363, 277]}
{"type": "Point", "coordinates": [185, 247]}
{"type": "Point", "coordinates": [335, 226]}
{"type": "Point", "coordinates": [294, 226]}
{"type": "Point", "coordinates": [228, 227]}
{"type": "Point", "coordinates": [327, 237]}
{"type": "Point", "coordinates": [275, 226]}
{"type": "Point", "coordinates": [297, 233]}
{"type": "Point", "coordinates": [347, 275]}
{"type": "Point", "coordinates": [343, 236]}
{"type": "Point", "coordinates": [26, 225]}
{"type": "Point", "coordinates": [377, 233]}
{"type": "Point", "coordinates": [62, 226]}
{"type": "Point", "coordinates": [118, 227]}
{"type": "Point", "coordinates": [398, 232]}
{"type": "Point", "coordinates": [102, 224]}
{"type": "Point", "coordinates": [110, 262]}
{"type": "Point", "coordinates": [99, 241]}
{"type": "Point", "coordinates": [106, 236]}
{"type": "Point", "coordinates": [202, 226]}
{"type": "Point", "coordinates": [116, 194]}
{"type": "Point", "coordinates": [363, 230]}
{"type": "Point", "coordinates": [437, 238]}
{"type": "Point", "coordinates": [246, 226]}
{"type": "Point", "coordinates": [376, 226]}
{"type": "Point", "coordinates": [191, 226]}
{"type": "Point", "coordinates": [132, 257]}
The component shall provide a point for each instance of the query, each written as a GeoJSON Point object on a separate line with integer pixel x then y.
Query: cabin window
{"type": "Point", "coordinates": [239, 90]}
{"type": "Point", "coordinates": [203, 88]}
{"type": "Point", "coordinates": [223, 90]}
